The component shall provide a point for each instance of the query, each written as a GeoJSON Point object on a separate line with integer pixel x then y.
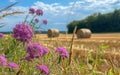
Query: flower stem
{"type": "Point", "coordinates": [26, 18]}
{"type": "Point", "coordinates": [59, 59]}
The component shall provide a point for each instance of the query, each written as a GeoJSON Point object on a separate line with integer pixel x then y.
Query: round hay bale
{"type": "Point", "coordinates": [83, 33]}
{"type": "Point", "coordinates": [53, 33]}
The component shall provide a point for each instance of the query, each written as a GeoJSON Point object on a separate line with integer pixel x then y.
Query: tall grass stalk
{"type": "Point", "coordinates": [72, 41]}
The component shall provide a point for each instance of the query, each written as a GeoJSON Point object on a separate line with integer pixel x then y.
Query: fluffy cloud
{"type": "Point", "coordinates": [20, 8]}
{"type": "Point", "coordinates": [54, 8]}
{"type": "Point", "coordinates": [80, 7]}
{"type": "Point", "coordinates": [59, 15]}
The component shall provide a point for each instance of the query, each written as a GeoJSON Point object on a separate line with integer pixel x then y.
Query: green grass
{"type": "Point", "coordinates": [16, 52]}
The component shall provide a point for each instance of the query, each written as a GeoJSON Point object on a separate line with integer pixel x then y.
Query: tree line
{"type": "Point", "coordinates": [98, 23]}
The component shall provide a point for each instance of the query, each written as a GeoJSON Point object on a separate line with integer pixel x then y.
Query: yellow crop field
{"type": "Point", "coordinates": [108, 44]}
{"type": "Point", "coordinates": [112, 40]}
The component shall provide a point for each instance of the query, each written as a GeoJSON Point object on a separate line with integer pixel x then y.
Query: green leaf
{"type": "Point", "coordinates": [103, 47]}
{"type": "Point", "coordinates": [110, 72]}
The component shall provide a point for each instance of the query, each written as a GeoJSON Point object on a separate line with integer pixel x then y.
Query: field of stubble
{"type": "Point", "coordinates": [112, 41]}
{"type": "Point", "coordinates": [107, 44]}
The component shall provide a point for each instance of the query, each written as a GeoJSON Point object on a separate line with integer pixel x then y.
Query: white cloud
{"type": "Point", "coordinates": [101, 3]}
{"type": "Point", "coordinates": [55, 8]}
{"type": "Point", "coordinates": [58, 14]}
{"type": "Point", "coordinates": [20, 8]}
{"type": "Point", "coordinates": [79, 7]}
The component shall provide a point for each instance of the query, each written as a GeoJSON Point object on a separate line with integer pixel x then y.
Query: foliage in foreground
{"type": "Point", "coordinates": [55, 62]}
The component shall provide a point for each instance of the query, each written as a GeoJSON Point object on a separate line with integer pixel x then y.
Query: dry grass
{"type": "Point", "coordinates": [110, 40]}
{"type": "Point", "coordinates": [82, 48]}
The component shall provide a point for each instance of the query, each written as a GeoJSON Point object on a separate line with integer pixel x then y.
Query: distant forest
{"type": "Point", "coordinates": [98, 23]}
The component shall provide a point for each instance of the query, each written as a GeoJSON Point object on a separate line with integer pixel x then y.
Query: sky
{"type": "Point", "coordinates": [58, 13]}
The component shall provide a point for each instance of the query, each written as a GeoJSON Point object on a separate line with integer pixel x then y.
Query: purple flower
{"type": "Point", "coordinates": [23, 32]}
{"type": "Point", "coordinates": [45, 50]}
{"type": "Point", "coordinates": [44, 69]}
{"type": "Point", "coordinates": [28, 58]}
{"type": "Point", "coordinates": [39, 12]}
{"type": "Point", "coordinates": [13, 65]}
{"type": "Point", "coordinates": [44, 21]}
{"type": "Point", "coordinates": [3, 60]}
{"type": "Point", "coordinates": [36, 50]}
{"type": "Point", "coordinates": [31, 10]}
{"type": "Point", "coordinates": [63, 52]}
{"type": "Point", "coordinates": [1, 35]}
{"type": "Point", "coordinates": [36, 20]}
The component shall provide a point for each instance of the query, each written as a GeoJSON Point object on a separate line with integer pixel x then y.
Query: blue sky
{"type": "Point", "coordinates": [58, 12]}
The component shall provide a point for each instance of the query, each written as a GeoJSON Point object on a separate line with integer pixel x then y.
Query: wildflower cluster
{"type": "Point", "coordinates": [39, 12]}
{"type": "Point", "coordinates": [62, 52]}
{"type": "Point", "coordinates": [36, 51]}
{"type": "Point", "coordinates": [4, 62]}
{"type": "Point", "coordinates": [31, 10]}
{"type": "Point", "coordinates": [23, 32]}
{"type": "Point", "coordinates": [35, 13]}
{"type": "Point", "coordinates": [36, 20]}
{"type": "Point", "coordinates": [1, 35]}
{"type": "Point", "coordinates": [43, 69]}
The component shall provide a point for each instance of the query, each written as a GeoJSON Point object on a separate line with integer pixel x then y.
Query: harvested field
{"type": "Point", "coordinates": [110, 40]}
{"type": "Point", "coordinates": [98, 54]}
{"type": "Point", "coordinates": [108, 44]}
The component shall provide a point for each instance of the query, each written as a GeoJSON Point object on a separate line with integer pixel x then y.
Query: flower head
{"type": "Point", "coordinates": [31, 10]}
{"type": "Point", "coordinates": [43, 68]}
{"type": "Point", "coordinates": [28, 58]}
{"type": "Point", "coordinates": [36, 50]}
{"type": "Point", "coordinates": [3, 61]}
{"type": "Point", "coordinates": [13, 65]}
{"type": "Point", "coordinates": [39, 12]}
{"type": "Point", "coordinates": [62, 51]}
{"type": "Point", "coordinates": [1, 35]}
{"type": "Point", "coordinates": [23, 32]}
{"type": "Point", "coordinates": [36, 20]}
{"type": "Point", "coordinates": [45, 50]}
{"type": "Point", "coordinates": [45, 22]}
